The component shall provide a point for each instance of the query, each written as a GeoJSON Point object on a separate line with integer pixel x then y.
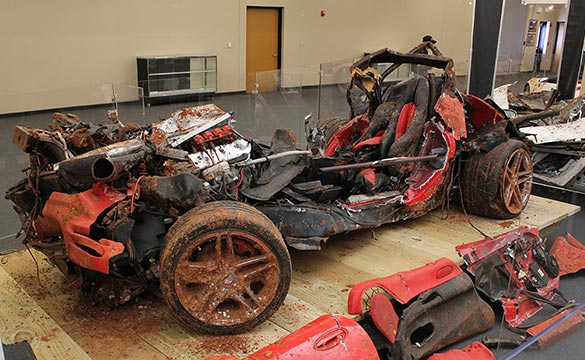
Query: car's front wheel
{"type": "Point", "coordinates": [224, 268]}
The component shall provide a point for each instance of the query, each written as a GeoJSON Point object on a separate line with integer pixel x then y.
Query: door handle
{"type": "Point", "coordinates": [274, 55]}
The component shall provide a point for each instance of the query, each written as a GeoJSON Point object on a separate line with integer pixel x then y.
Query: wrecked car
{"type": "Point", "coordinates": [190, 205]}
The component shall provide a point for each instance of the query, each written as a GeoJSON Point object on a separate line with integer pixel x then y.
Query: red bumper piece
{"type": "Point", "coordinates": [71, 216]}
{"type": "Point", "coordinates": [330, 337]}
{"type": "Point", "coordinates": [473, 351]}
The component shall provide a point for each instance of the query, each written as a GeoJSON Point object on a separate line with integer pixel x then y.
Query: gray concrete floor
{"type": "Point", "coordinates": [258, 116]}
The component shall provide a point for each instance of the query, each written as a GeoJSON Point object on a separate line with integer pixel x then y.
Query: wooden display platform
{"type": "Point", "coordinates": [61, 324]}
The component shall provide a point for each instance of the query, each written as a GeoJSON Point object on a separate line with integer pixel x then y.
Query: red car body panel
{"type": "Point", "coordinates": [570, 254]}
{"type": "Point", "coordinates": [473, 351]}
{"type": "Point", "coordinates": [483, 112]}
{"type": "Point", "coordinates": [404, 286]}
{"type": "Point", "coordinates": [328, 337]}
{"type": "Point", "coordinates": [451, 110]}
{"type": "Point", "coordinates": [72, 216]}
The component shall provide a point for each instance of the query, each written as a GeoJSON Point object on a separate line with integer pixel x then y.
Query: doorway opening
{"type": "Point", "coordinates": [541, 44]}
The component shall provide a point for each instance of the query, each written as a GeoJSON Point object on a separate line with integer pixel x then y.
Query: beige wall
{"type": "Point", "coordinates": [61, 52]}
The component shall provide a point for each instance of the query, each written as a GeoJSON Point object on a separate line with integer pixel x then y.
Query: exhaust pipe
{"type": "Point", "coordinates": [102, 165]}
{"type": "Point", "coordinates": [109, 169]}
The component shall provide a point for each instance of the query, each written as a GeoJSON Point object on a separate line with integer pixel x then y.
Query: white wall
{"type": "Point", "coordinates": [60, 52]}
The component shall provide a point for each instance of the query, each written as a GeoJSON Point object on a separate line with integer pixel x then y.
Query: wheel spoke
{"type": "Point", "coordinates": [516, 161]}
{"type": "Point", "coordinates": [522, 180]}
{"type": "Point", "coordinates": [508, 195]}
{"type": "Point", "coordinates": [230, 247]}
{"type": "Point", "coordinates": [516, 195]}
{"type": "Point", "coordinates": [196, 272]}
{"type": "Point", "coordinates": [526, 173]}
{"type": "Point", "coordinates": [508, 178]}
{"type": "Point", "coordinates": [251, 261]}
{"type": "Point", "coordinates": [255, 271]}
{"type": "Point", "coordinates": [253, 297]}
{"type": "Point", "coordinates": [198, 302]}
{"type": "Point", "coordinates": [212, 301]}
{"type": "Point", "coordinates": [218, 245]}
{"type": "Point", "coordinates": [246, 302]}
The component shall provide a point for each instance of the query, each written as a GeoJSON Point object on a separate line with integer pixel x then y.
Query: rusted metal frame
{"type": "Point", "coordinates": [390, 56]}
{"type": "Point", "coordinates": [386, 55]}
{"type": "Point", "coordinates": [380, 163]}
{"type": "Point", "coordinates": [552, 111]}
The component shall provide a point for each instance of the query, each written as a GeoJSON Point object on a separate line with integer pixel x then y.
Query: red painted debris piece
{"type": "Point", "coordinates": [72, 216]}
{"type": "Point", "coordinates": [331, 337]}
{"type": "Point", "coordinates": [520, 245]}
{"type": "Point", "coordinates": [570, 254]}
{"type": "Point", "coordinates": [473, 351]}
{"type": "Point", "coordinates": [404, 286]}
{"type": "Point", "coordinates": [451, 110]}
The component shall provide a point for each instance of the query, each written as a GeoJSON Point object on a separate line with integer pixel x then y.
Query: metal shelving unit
{"type": "Point", "coordinates": [176, 78]}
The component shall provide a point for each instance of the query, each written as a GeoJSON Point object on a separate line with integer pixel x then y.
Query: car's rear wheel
{"type": "Point", "coordinates": [224, 268]}
{"type": "Point", "coordinates": [497, 183]}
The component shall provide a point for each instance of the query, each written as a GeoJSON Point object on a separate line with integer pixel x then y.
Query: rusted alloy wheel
{"type": "Point", "coordinates": [224, 268]}
{"type": "Point", "coordinates": [497, 184]}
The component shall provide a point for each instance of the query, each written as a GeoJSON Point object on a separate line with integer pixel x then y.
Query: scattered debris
{"type": "Point", "coordinates": [412, 314]}
{"type": "Point", "coordinates": [555, 133]}
{"type": "Point", "coordinates": [408, 315]}
{"type": "Point", "coordinates": [516, 269]}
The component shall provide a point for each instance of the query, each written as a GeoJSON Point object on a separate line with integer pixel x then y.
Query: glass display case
{"type": "Point", "coordinates": [176, 78]}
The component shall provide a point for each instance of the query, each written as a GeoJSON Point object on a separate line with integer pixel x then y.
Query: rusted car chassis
{"type": "Point", "coordinates": [191, 205]}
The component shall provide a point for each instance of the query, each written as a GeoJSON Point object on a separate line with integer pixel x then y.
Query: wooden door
{"type": "Point", "coordinates": [262, 47]}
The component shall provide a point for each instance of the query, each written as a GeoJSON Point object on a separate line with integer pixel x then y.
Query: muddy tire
{"type": "Point", "coordinates": [497, 184]}
{"type": "Point", "coordinates": [224, 268]}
